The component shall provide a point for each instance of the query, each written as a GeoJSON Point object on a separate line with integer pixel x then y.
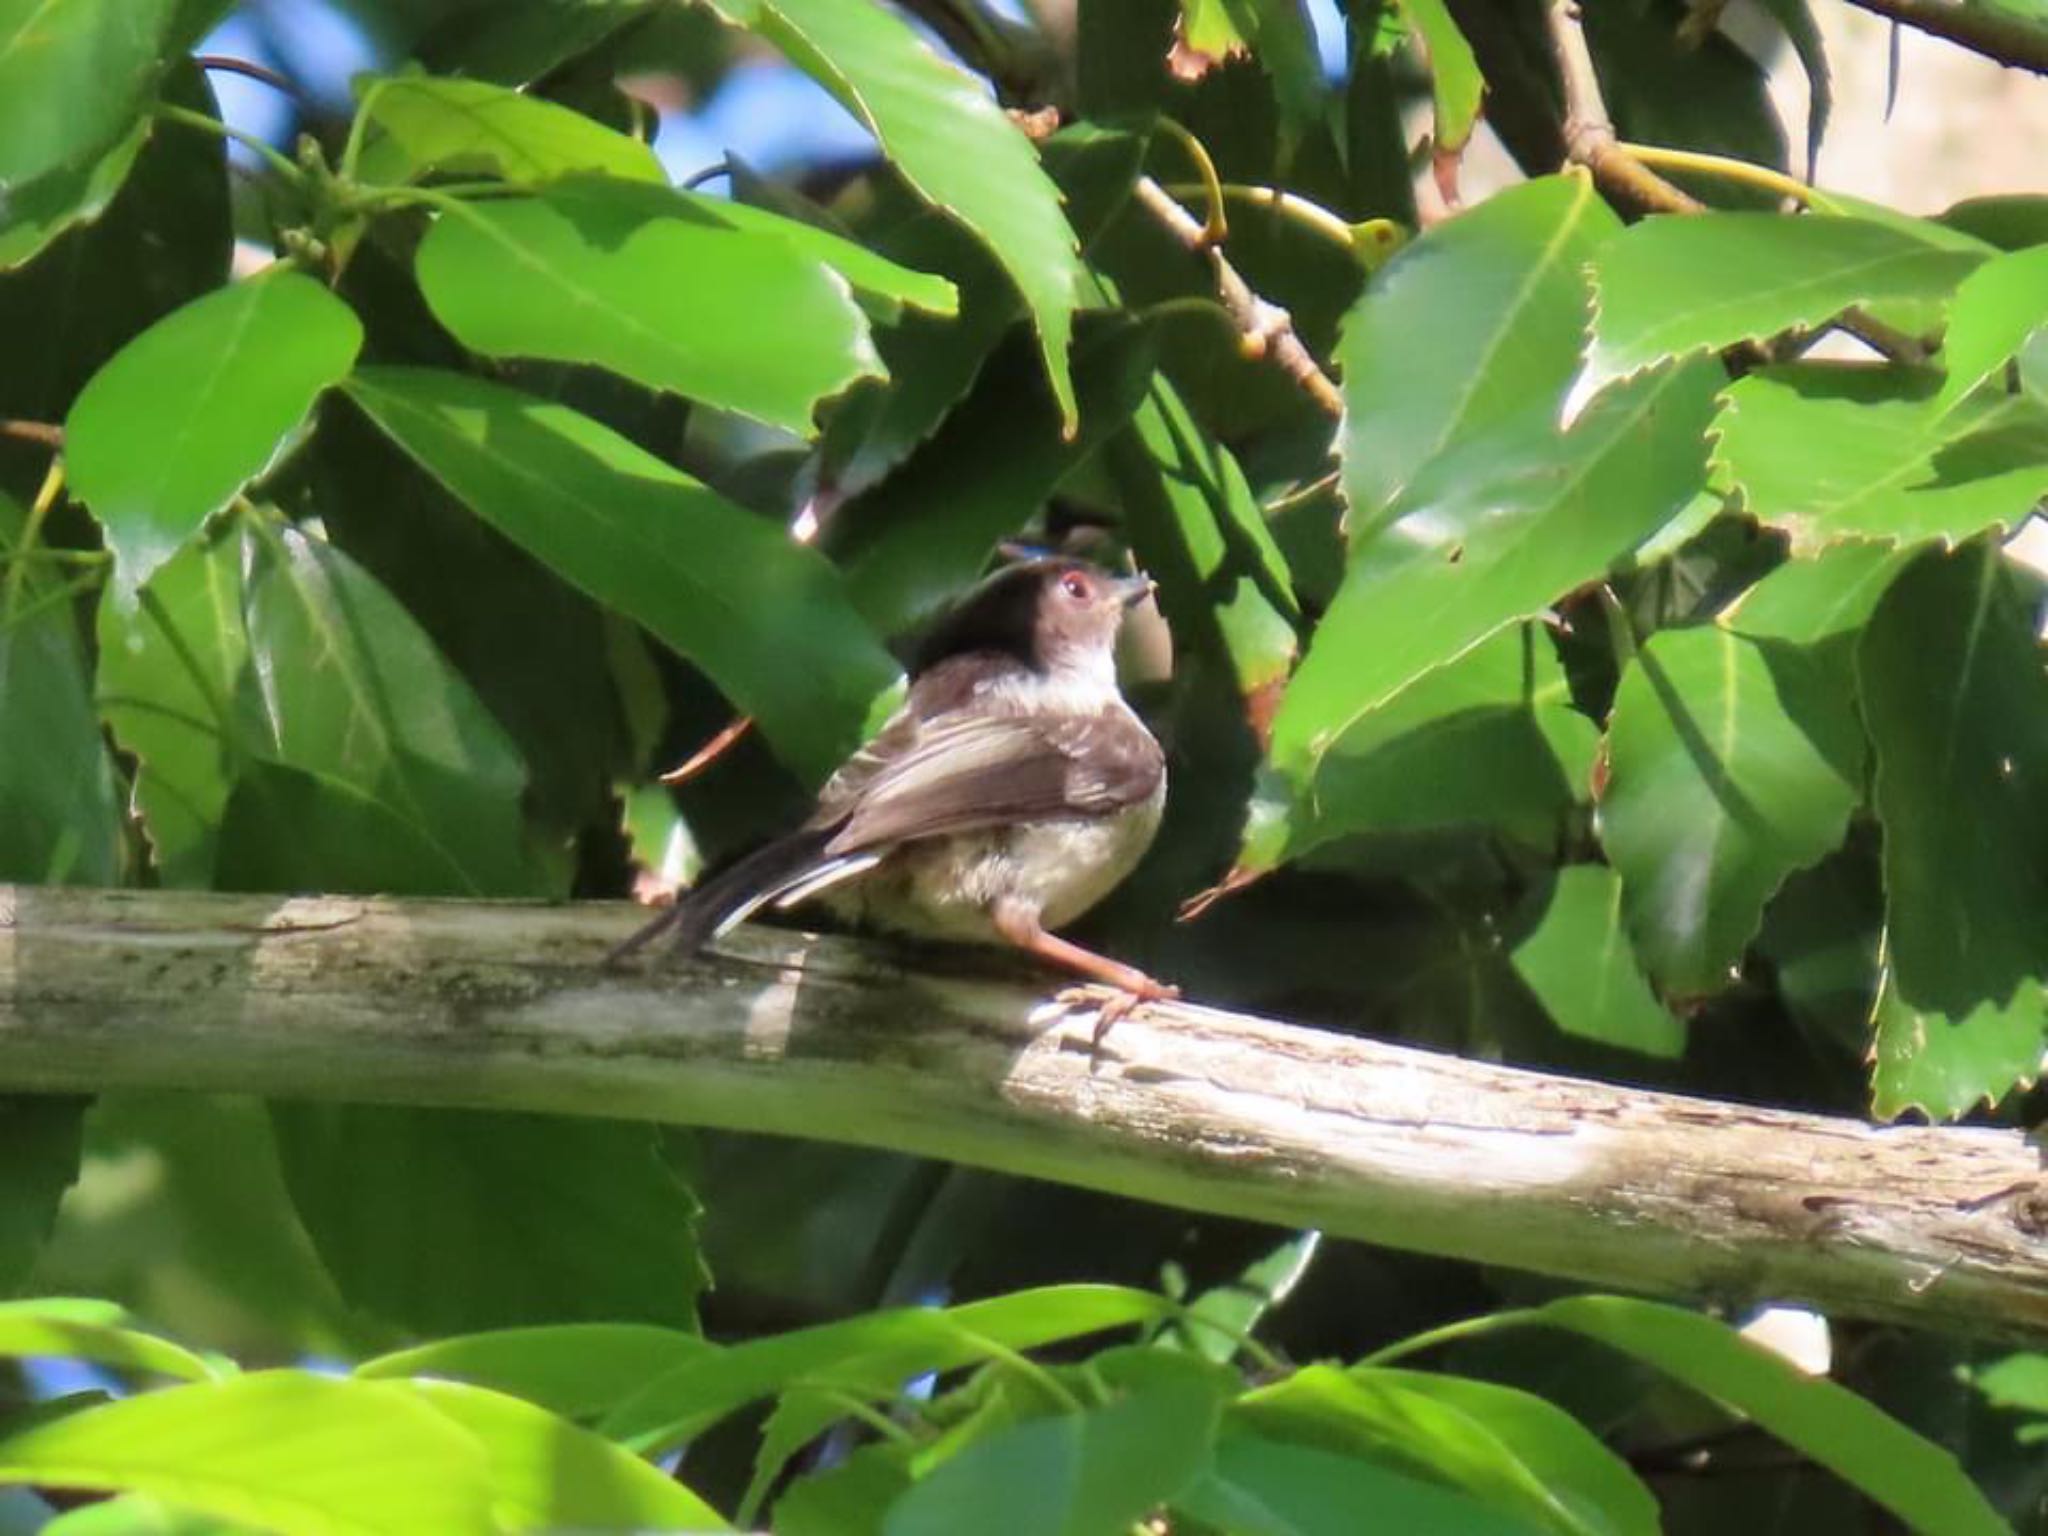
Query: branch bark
{"type": "Point", "coordinates": [2002, 36]}
{"type": "Point", "coordinates": [468, 1004]}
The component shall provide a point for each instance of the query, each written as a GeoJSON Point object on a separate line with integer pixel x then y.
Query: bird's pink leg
{"type": "Point", "coordinates": [1023, 929]}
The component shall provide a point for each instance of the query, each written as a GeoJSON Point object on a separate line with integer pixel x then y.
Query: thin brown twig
{"type": "Point", "coordinates": [219, 63]}
{"type": "Point", "coordinates": [1265, 329]}
{"type": "Point", "coordinates": [47, 433]}
{"type": "Point", "coordinates": [710, 752]}
{"type": "Point", "coordinates": [1589, 137]}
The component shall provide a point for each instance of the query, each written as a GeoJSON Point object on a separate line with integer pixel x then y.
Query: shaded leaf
{"type": "Point", "coordinates": [72, 77]}
{"type": "Point", "coordinates": [928, 530]}
{"type": "Point", "coordinates": [1259, 1486]}
{"type": "Point", "coordinates": [186, 414]}
{"type": "Point", "coordinates": [1674, 285]}
{"type": "Point", "coordinates": [897, 1344]}
{"type": "Point", "coordinates": [577, 1370]}
{"type": "Point", "coordinates": [1814, 598]}
{"type": "Point", "coordinates": [2009, 222]}
{"type": "Point", "coordinates": [549, 1475]}
{"type": "Point", "coordinates": [379, 770]}
{"type": "Point", "coordinates": [1913, 1478]}
{"type": "Point", "coordinates": [40, 1143]}
{"type": "Point", "coordinates": [1478, 323]}
{"type": "Point", "coordinates": [1803, 32]}
{"type": "Point", "coordinates": [1456, 86]}
{"type": "Point", "coordinates": [1275, 32]}
{"type": "Point", "coordinates": [422, 125]}
{"type": "Point", "coordinates": [1957, 707]}
{"type": "Point", "coordinates": [1487, 740]}
{"type": "Point", "coordinates": [1580, 964]}
{"type": "Point", "coordinates": [34, 215]}
{"type": "Point", "coordinates": [1069, 1474]}
{"type": "Point", "coordinates": [1490, 535]}
{"type": "Point", "coordinates": [636, 281]}
{"type": "Point", "coordinates": [1830, 452]}
{"type": "Point", "coordinates": [767, 619]}
{"type": "Point", "coordinates": [535, 1218]}
{"type": "Point", "coordinates": [62, 823]}
{"type": "Point", "coordinates": [286, 1451]}
{"type": "Point", "coordinates": [949, 140]}
{"type": "Point", "coordinates": [1215, 1324]}
{"type": "Point", "coordinates": [1732, 763]}
{"type": "Point", "coordinates": [1996, 308]}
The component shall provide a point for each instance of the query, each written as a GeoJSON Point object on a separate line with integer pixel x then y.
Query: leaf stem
{"type": "Point", "coordinates": [171, 113]}
{"type": "Point", "coordinates": [1741, 172]}
{"type": "Point", "coordinates": [1451, 1333]}
{"type": "Point", "coordinates": [1292, 206]}
{"type": "Point", "coordinates": [1216, 228]}
{"type": "Point", "coordinates": [31, 531]}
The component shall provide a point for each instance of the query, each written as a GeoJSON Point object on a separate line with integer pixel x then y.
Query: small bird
{"type": "Point", "coordinates": [1012, 791]}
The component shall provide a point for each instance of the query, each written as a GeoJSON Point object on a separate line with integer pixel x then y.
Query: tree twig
{"type": "Point", "coordinates": [2003, 36]}
{"type": "Point", "coordinates": [1589, 137]}
{"type": "Point", "coordinates": [505, 1005]}
{"type": "Point", "coordinates": [1265, 329]}
{"type": "Point", "coordinates": [46, 433]}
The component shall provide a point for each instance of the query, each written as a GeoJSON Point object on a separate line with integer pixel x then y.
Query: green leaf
{"type": "Point", "coordinates": [2010, 222]}
{"type": "Point", "coordinates": [1996, 308]}
{"type": "Point", "coordinates": [535, 1218]}
{"type": "Point", "coordinates": [547, 1475]}
{"type": "Point", "coordinates": [680, 1404]}
{"type": "Point", "coordinates": [1090, 1473]}
{"type": "Point", "coordinates": [40, 1143]}
{"type": "Point", "coordinates": [1830, 453]}
{"type": "Point", "coordinates": [62, 824]}
{"type": "Point", "coordinates": [1216, 1323]}
{"type": "Point", "coordinates": [60, 1328]}
{"type": "Point", "coordinates": [1675, 286]}
{"type": "Point", "coordinates": [1957, 707]}
{"type": "Point", "coordinates": [168, 671]}
{"type": "Point", "coordinates": [767, 619]}
{"type": "Point", "coordinates": [1803, 32]}
{"type": "Point", "coordinates": [1911, 1477]}
{"type": "Point", "coordinates": [1477, 324]}
{"type": "Point", "coordinates": [1378, 1415]}
{"type": "Point", "coordinates": [384, 773]}
{"type": "Point", "coordinates": [577, 1370]}
{"type": "Point", "coordinates": [136, 1514]}
{"type": "Point", "coordinates": [185, 415]}
{"type": "Point", "coordinates": [34, 215]}
{"type": "Point", "coordinates": [1732, 762]}
{"type": "Point", "coordinates": [426, 125]}
{"type": "Point", "coordinates": [1456, 86]}
{"type": "Point", "coordinates": [632, 279]}
{"type": "Point", "coordinates": [1582, 968]}
{"type": "Point", "coordinates": [2017, 1381]}
{"type": "Point", "coordinates": [850, 1499]}
{"type": "Point", "coordinates": [929, 528]}
{"type": "Point", "coordinates": [1266, 1487]}
{"type": "Point", "coordinates": [1488, 740]}
{"type": "Point", "coordinates": [949, 140]}
{"type": "Point", "coordinates": [1277, 33]}
{"type": "Point", "coordinates": [72, 77]}
{"type": "Point", "coordinates": [1200, 533]}
{"type": "Point", "coordinates": [1814, 598]}
{"type": "Point", "coordinates": [285, 1451]}
{"type": "Point", "coordinates": [1489, 536]}
{"type": "Point", "coordinates": [874, 276]}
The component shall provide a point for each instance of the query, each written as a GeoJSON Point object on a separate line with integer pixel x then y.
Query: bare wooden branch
{"type": "Point", "coordinates": [1589, 137]}
{"type": "Point", "coordinates": [471, 1004]}
{"type": "Point", "coordinates": [1267, 329]}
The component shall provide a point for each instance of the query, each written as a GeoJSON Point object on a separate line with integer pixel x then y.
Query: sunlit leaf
{"type": "Point", "coordinates": [34, 215]}
{"type": "Point", "coordinates": [1957, 706]}
{"type": "Point", "coordinates": [949, 140]}
{"type": "Point", "coordinates": [1674, 286]}
{"type": "Point", "coordinates": [1814, 598]}
{"type": "Point", "coordinates": [1579, 962]}
{"type": "Point", "coordinates": [196, 406]}
{"type": "Point", "coordinates": [575, 1369]}
{"type": "Point", "coordinates": [631, 279]}
{"type": "Point", "coordinates": [1996, 309]}
{"type": "Point", "coordinates": [1455, 82]}
{"type": "Point", "coordinates": [1261, 1486]}
{"type": "Point", "coordinates": [1829, 452]}
{"type": "Point", "coordinates": [425, 124]}
{"type": "Point", "coordinates": [58, 1328]}
{"type": "Point", "coordinates": [72, 77]}
{"type": "Point", "coordinates": [1732, 762]}
{"type": "Point", "coordinates": [768, 620]}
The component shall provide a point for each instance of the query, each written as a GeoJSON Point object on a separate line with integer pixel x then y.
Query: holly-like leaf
{"type": "Point", "coordinates": [1491, 535]}
{"type": "Point", "coordinates": [185, 415]}
{"type": "Point", "coordinates": [1732, 762]}
{"type": "Point", "coordinates": [1675, 286]}
{"type": "Point", "coordinates": [73, 74]}
{"type": "Point", "coordinates": [421, 124]}
{"type": "Point", "coordinates": [1957, 707]}
{"type": "Point", "coordinates": [768, 620]}
{"type": "Point", "coordinates": [1578, 961]}
{"type": "Point", "coordinates": [1996, 309]}
{"type": "Point", "coordinates": [949, 140]}
{"type": "Point", "coordinates": [1828, 452]}
{"type": "Point", "coordinates": [655, 289]}
{"type": "Point", "coordinates": [540, 1218]}
{"type": "Point", "coordinates": [1478, 323]}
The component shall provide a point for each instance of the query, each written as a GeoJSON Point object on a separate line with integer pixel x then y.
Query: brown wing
{"type": "Point", "coordinates": [965, 770]}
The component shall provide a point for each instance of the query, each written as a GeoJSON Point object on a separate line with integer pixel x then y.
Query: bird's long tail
{"type": "Point", "coordinates": [784, 871]}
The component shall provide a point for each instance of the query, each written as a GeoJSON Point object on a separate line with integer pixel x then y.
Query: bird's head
{"type": "Point", "coordinates": [1055, 614]}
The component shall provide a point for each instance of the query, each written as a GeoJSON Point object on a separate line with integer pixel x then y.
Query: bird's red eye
{"type": "Point", "coordinates": [1075, 585]}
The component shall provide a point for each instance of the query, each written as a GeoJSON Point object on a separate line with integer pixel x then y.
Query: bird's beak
{"type": "Point", "coordinates": [1135, 589]}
